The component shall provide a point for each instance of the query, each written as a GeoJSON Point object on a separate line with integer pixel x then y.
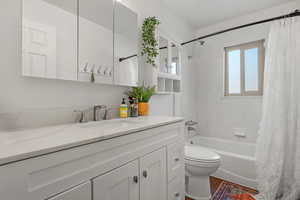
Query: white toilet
{"type": "Point", "coordinates": [200, 163]}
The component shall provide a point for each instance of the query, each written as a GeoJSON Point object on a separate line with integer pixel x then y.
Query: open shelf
{"type": "Point", "coordinates": [166, 76]}
{"type": "Point", "coordinates": [169, 76]}
{"type": "Point", "coordinates": [168, 86]}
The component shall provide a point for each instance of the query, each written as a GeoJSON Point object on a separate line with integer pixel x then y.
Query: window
{"type": "Point", "coordinates": [244, 68]}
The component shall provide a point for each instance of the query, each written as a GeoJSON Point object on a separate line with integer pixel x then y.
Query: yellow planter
{"type": "Point", "coordinates": [143, 109]}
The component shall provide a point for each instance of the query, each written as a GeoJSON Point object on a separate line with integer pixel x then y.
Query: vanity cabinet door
{"type": "Point", "coordinates": [81, 192]}
{"type": "Point", "coordinates": [119, 184]}
{"type": "Point", "coordinates": [153, 176]}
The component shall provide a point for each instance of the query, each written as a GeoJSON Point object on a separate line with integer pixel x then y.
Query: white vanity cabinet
{"type": "Point", "coordinates": [139, 165]}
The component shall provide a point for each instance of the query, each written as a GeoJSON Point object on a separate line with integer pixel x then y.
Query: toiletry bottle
{"type": "Point", "coordinates": [131, 106]}
{"type": "Point", "coordinates": [123, 109]}
{"type": "Point", "coordinates": [135, 111]}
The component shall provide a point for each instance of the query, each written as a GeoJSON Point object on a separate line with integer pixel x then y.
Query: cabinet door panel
{"type": "Point", "coordinates": [175, 160]}
{"type": "Point", "coordinates": [49, 39]}
{"type": "Point", "coordinates": [125, 45]}
{"type": "Point", "coordinates": [119, 184]}
{"type": "Point", "coordinates": [153, 176]}
{"type": "Point", "coordinates": [96, 41]}
{"type": "Point", "coordinates": [82, 192]}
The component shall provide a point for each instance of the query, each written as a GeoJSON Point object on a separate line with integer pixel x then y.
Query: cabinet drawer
{"type": "Point", "coordinates": [176, 189]}
{"type": "Point", "coordinates": [81, 192]}
{"type": "Point", "coordinates": [175, 160]}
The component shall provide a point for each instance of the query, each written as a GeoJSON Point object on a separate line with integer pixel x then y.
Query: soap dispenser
{"type": "Point", "coordinates": [123, 109]}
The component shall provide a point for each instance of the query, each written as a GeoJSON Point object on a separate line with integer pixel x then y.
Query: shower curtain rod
{"type": "Point", "coordinates": [292, 14]}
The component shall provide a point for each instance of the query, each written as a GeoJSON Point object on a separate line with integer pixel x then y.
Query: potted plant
{"type": "Point", "coordinates": [150, 45]}
{"type": "Point", "coordinates": [143, 95]}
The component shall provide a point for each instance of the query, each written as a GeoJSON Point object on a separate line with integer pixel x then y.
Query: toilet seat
{"type": "Point", "coordinates": [195, 154]}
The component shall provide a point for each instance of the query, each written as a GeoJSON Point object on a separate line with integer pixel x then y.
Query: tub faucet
{"type": "Point", "coordinates": [191, 123]}
{"type": "Point", "coordinates": [191, 128]}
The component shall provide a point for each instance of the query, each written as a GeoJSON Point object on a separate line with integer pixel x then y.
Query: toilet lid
{"type": "Point", "coordinates": [193, 152]}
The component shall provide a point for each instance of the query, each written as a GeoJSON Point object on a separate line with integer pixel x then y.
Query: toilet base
{"type": "Point", "coordinates": [197, 198]}
{"type": "Point", "coordinates": [198, 188]}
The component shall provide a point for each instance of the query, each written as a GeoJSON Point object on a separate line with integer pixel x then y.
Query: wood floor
{"type": "Point", "coordinates": [215, 183]}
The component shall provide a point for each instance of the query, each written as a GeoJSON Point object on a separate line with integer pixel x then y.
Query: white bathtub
{"type": "Point", "coordinates": [237, 162]}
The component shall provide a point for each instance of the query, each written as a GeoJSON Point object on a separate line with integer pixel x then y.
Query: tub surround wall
{"type": "Point", "coordinates": [49, 99]}
{"type": "Point", "coordinates": [219, 116]}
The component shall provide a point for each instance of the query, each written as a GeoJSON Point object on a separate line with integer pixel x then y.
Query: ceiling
{"type": "Point", "coordinates": [201, 13]}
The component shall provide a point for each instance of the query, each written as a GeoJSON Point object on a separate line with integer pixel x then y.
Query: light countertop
{"type": "Point", "coordinates": [20, 145]}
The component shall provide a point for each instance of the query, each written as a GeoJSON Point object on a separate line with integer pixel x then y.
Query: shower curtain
{"type": "Point", "coordinates": [278, 145]}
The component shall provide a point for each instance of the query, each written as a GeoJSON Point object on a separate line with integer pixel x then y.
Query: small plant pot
{"type": "Point", "coordinates": [143, 109]}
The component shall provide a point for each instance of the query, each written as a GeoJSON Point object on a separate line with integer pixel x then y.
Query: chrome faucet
{"type": "Point", "coordinates": [190, 125]}
{"type": "Point", "coordinates": [99, 107]}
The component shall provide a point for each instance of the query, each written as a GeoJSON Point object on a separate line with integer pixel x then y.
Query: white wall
{"type": "Point", "coordinates": [219, 116]}
{"type": "Point", "coordinates": [24, 100]}
{"type": "Point", "coordinates": [179, 31]}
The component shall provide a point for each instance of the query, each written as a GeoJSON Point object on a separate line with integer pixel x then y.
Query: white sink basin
{"type": "Point", "coordinates": [29, 135]}
{"type": "Point", "coordinates": [68, 130]}
{"type": "Point", "coordinates": [110, 124]}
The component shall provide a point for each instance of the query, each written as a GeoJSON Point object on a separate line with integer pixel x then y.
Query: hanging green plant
{"type": "Point", "coordinates": [150, 45]}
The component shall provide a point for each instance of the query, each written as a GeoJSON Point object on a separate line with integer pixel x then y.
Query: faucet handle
{"type": "Point", "coordinates": [105, 117]}
{"type": "Point", "coordinates": [100, 106]}
{"type": "Point", "coordinates": [95, 110]}
{"type": "Point", "coordinates": [86, 66]}
{"type": "Point", "coordinates": [83, 117]}
{"type": "Point", "coordinates": [191, 123]}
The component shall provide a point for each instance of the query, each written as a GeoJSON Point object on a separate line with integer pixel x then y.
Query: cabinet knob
{"type": "Point", "coordinates": [177, 159]}
{"type": "Point", "coordinates": [86, 66]}
{"type": "Point", "coordinates": [145, 174]}
{"type": "Point", "coordinates": [177, 194]}
{"type": "Point", "coordinates": [135, 179]}
{"type": "Point", "coordinates": [99, 69]}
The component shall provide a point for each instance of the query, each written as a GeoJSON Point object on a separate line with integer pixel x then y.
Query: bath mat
{"type": "Point", "coordinates": [227, 191]}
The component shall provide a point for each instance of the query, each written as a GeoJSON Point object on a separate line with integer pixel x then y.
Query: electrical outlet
{"type": "Point", "coordinates": [239, 132]}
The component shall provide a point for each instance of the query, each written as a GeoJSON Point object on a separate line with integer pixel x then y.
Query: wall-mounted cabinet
{"type": "Point", "coordinates": [167, 75]}
{"type": "Point", "coordinates": [80, 40]}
